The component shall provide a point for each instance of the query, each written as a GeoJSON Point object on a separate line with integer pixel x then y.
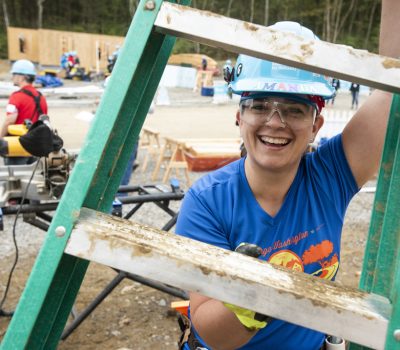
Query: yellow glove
{"type": "Point", "coordinates": [251, 320]}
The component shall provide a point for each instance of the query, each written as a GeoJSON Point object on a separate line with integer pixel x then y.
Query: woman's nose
{"type": "Point", "coordinates": [278, 120]}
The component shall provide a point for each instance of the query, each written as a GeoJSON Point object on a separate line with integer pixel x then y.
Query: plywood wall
{"type": "Point", "coordinates": [46, 46]}
{"type": "Point", "coordinates": [30, 49]}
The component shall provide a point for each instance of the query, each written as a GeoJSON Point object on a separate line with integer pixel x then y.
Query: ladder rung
{"type": "Point", "coordinates": [191, 265]}
{"type": "Point", "coordinates": [322, 57]}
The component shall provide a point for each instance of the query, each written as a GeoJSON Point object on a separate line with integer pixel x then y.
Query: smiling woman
{"type": "Point", "coordinates": [274, 194]}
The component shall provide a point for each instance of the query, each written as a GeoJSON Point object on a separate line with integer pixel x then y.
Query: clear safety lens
{"type": "Point", "coordinates": [290, 112]}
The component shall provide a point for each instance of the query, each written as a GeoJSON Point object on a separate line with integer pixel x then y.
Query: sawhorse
{"type": "Point", "coordinates": [172, 155]}
{"type": "Point", "coordinates": [80, 230]}
{"type": "Point", "coordinates": [150, 142]}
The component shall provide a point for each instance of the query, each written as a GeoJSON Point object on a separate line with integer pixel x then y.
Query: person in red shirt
{"type": "Point", "coordinates": [25, 104]}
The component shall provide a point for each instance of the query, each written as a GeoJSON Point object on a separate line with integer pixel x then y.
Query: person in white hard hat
{"type": "Point", "coordinates": [24, 105]}
{"type": "Point", "coordinates": [279, 203]}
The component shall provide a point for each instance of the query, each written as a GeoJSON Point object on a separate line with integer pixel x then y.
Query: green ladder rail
{"type": "Point", "coordinates": [381, 268]}
{"type": "Point", "coordinates": [80, 232]}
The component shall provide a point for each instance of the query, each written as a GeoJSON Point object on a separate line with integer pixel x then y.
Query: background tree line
{"type": "Point", "coordinates": [350, 22]}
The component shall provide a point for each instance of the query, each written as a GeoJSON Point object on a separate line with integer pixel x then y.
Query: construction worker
{"type": "Point", "coordinates": [227, 68]}
{"type": "Point", "coordinates": [227, 65]}
{"type": "Point", "coordinates": [289, 203]}
{"type": "Point", "coordinates": [24, 105]}
{"type": "Point", "coordinates": [336, 85]}
{"type": "Point", "coordinates": [355, 92]}
{"type": "Point", "coordinates": [112, 59]}
{"type": "Point", "coordinates": [204, 63]}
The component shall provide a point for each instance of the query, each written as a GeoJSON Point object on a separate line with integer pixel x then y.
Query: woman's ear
{"type": "Point", "coordinates": [319, 122]}
{"type": "Point", "coordinates": [237, 117]}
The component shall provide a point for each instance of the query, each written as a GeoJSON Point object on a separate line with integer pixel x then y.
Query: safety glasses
{"type": "Point", "coordinates": [295, 113]}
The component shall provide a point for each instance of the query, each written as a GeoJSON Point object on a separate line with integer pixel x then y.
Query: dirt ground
{"type": "Point", "coordinates": [134, 316]}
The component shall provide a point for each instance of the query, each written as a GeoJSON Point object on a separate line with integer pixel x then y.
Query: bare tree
{"type": "Point", "coordinates": [371, 19]}
{"type": "Point", "coordinates": [212, 5]}
{"type": "Point", "coordinates": [252, 11]}
{"type": "Point", "coordinates": [327, 21]}
{"type": "Point", "coordinates": [343, 18]}
{"type": "Point", "coordinates": [5, 13]}
{"type": "Point", "coordinates": [336, 12]}
{"type": "Point", "coordinates": [40, 12]}
{"type": "Point", "coordinates": [133, 4]}
{"type": "Point", "coordinates": [286, 5]}
{"type": "Point", "coordinates": [352, 18]}
{"type": "Point", "coordinates": [228, 10]}
{"type": "Point", "coordinates": [266, 12]}
{"type": "Point", "coordinates": [336, 15]}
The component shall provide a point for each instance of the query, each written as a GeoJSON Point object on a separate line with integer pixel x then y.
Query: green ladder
{"type": "Point", "coordinates": [80, 231]}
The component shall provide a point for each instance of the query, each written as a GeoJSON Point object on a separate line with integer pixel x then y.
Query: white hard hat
{"type": "Point", "coordinates": [23, 67]}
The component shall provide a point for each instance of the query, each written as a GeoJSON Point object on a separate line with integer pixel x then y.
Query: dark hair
{"type": "Point", "coordinates": [241, 106]}
{"type": "Point", "coordinates": [29, 78]}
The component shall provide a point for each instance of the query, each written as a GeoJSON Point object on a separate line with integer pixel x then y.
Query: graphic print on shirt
{"type": "Point", "coordinates": [321, 253]}
{"type": "Point", "coordinates": [287, 258]}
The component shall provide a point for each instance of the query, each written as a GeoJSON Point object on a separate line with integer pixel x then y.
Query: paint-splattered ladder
{"type": "Point", "coordinates": [81, 232]}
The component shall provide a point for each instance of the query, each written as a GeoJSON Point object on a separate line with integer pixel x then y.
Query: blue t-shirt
{"type": "Point", "coordinates": [220, 209]}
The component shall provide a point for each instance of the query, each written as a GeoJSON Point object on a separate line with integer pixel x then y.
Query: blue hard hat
{"type": "Point", "coordinates": [256, 75]}
{"type": "Point", "coordinates": [23, 67]}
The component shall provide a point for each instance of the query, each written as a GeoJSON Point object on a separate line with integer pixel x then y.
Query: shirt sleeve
{"type": "Point", "coordinates": [13, 104]}
{"type": "Point", "coordinates": [332, 174]}
{"type": "Point", "coordinates": [11, 109]}
{"type": "Point", "coordinates": [197, 220]}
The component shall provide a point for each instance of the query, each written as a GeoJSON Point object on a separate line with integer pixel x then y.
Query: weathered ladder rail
{"type": "Point", "coordinates": [340, 61]}
{"type": "Point", "coordinates": [231, 277]}
{"type": "Point", "coordinates": [55, 279]}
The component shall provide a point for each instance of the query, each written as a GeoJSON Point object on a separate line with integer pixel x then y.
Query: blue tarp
{"type": "Point", "coordinates": [48, 81]}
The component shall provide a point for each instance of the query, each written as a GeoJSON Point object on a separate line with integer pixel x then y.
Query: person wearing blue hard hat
{"type": "Point", "coordinates": [280, 203]}
{"type": "Point", "coordinates": [24, 105]}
